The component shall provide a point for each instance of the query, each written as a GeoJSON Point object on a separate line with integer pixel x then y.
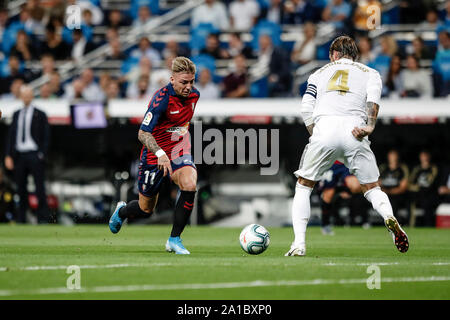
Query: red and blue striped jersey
{"type": "Point", "coordinates": [167, 118]}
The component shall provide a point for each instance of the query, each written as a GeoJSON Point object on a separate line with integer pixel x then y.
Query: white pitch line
{"type": "Point", "coordinates": [333, 264]}
{"type": "Point", "coordinates": [223, 285]}
{"type": "Point", "coordinates": [64, 267]}
{"type": "Point", "coordinates": [107, 266]}
{"type": "Point", "coordinates": [164, 264]}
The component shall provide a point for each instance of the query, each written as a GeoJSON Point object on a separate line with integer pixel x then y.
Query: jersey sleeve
{"type": "Point", "coordinates": [157, 107]}
{"type": "Point", "coordinates": [309, 100]}
{"type": "Point", "coordinates": [374, 87]}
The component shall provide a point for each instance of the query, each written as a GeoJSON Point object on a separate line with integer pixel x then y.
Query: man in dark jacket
{"type": "Point", "coordinates": [26, 149]}
{"type": "Point", "coordinates": [277, 62]}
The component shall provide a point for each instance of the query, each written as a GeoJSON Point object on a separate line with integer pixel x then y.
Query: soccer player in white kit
{"type": "Point", "coordinates": [340, 108]}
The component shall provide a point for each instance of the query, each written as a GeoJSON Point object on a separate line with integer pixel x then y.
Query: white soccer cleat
{"type": "Point", "coordinates": [296, 252]}
{"type": "Point", "coordinates": [168, 248]}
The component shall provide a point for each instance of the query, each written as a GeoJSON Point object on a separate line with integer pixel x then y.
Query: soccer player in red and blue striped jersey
{"type": "Point", "coordinates": [165, 153]}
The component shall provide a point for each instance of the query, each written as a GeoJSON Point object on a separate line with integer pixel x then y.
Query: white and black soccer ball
{"type": "Point", "coordinates": [254, 239]}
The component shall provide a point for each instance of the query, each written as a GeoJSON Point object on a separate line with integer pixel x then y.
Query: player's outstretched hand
{"type": "Point", "coordinates": [360, 133]}
{"type": "Point", "coordinates": [164, 164]}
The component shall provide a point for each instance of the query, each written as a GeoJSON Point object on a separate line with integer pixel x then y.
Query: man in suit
{"type": "Point", "coordinates": [26, 148]}
{"type": "Point", "coordinates": [276, 62]}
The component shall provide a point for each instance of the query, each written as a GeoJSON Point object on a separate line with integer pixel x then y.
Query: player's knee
{"type": "Point", "coordinates": [189, 186]}
{"type": "Point", "coordinates": [306, 182]}
{"type": "Point", "coordinates": [368, 186]}
{"type": "Point", "coordinates": [327, 195]}
{"type": "Point", "coordinates": [355, 188]}
{"type": "Point", "coordinates": [147, 210]}
{"type": "Point", "coordinates": [147, 207]}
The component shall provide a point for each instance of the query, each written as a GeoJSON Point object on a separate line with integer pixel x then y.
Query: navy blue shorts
{"type": "Point", "coordinates": [335, 176]}
{"type": "Point", "coordinates": [150, 178]}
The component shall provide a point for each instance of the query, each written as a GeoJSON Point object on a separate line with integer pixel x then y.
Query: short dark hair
{"type": "Point", "coordinates": [346, 46]}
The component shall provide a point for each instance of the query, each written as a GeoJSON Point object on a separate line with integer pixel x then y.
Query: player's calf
{"type": "Point", "coordinates": [183, 210]}
{"type": "Point", "coordinates": [124, 211]}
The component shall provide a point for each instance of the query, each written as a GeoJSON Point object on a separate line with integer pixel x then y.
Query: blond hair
{"type": "Point", "coordinates": [183, 64]}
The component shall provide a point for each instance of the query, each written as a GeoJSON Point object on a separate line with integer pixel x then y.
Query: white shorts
{"type": "Point", "coordinates": [333, 140]}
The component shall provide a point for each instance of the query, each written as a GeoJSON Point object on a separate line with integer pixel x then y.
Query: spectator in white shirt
{"type": "Point", "coordinates": [243, 14]}
{"type": "Point", "coordinates": [415, 82]}
{"type": "Point", "coordinates": [141, 90]}
{"type": "Point", "coordinates": [145, 49]}
{"type": "Point", "coordinates": [213, 12]}
{"type": "Point", "coordinates": [161, 77]}
{"type": "Point", "coordinates": [144, 15]}
{"type": "Point", "coordinates": [74, 90]}
{"type": "Point", "coordinates": [92, 90]}
{"type": "Point", "coordinates": [305, 47]}
{"type": "Point", "coordinates": [208, 89]}
{"type": "Point", "coordinates": [97, 13]}
{"type": "Point", "coordinates": [132, 77]}
{"type": "Point", "coordinates": [274, 12]}
{"type": "Point", "coordinates": [81, 46]}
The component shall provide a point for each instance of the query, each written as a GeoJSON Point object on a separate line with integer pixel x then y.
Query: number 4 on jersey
{"type": "Point", "coordinates": [339, 82]}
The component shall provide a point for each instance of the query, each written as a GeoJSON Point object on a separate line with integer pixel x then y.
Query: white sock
{"type": "Point", "coordinates": [380, 202]}
{"type": "Point", "coordinates": [301, 211]}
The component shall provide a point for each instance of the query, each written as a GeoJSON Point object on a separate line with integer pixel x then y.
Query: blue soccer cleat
{"type": "Point", "coordinates": [115, 222]}
{"type": "Point", "coordinates": [174, 245]}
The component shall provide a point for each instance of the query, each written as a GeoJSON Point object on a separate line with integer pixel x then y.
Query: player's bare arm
{"type": "Point", "coordinates": [372, 114]}
{"type": "Point", "coordinates": [147, 139]}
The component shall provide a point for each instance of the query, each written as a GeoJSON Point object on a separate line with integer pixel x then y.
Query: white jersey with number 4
{"type": "Point", "coordinates": [342, 88]}
{"type": "Point", "coordinates": [335, 102]}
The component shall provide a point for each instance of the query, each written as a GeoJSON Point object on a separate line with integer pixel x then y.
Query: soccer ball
{"type": "Point", "coordinates": [254, 239]}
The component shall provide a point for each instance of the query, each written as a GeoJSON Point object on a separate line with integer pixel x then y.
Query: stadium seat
{"type": "Point", "coordinates": [381, 64]}
{"type": "Point", "coordinates": [391, 16]}
{"type": "Point", "coordinates": [441, 70]}
{"type": "Point", "coordinates": [322, 51]}
{"type": "Point", "coordinates": [204, 61]}
{"type": "Point", "coordinates": [4, 68]}
{"type": "Point", "coordinates": [67, 34]}
{"type": "Point", "coordinates": [10, 34]}
{"type": "Point", "coordinates": [199, 35]}
{"type": "Point", "coordinates": [128, 64]}
{"type": "Point", "coordinates": [266, 27]}
{"type": "Point", "coordinates": [97, 3]}
{"type": "Point", "coordinates": [263, 3]}
{"type": "Point", "coordinates": [259, 88]}
{"type": "Point", "coordinates": [135, 4]}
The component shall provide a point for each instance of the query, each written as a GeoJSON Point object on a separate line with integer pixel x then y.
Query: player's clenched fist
{"type": "Point", "coordinates": [360, 133]}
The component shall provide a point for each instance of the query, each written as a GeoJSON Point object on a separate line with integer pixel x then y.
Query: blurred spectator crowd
{"type": "Point", "coordinates": [415, 191]}
{"type": "Point", "coordinates": [261, 65]}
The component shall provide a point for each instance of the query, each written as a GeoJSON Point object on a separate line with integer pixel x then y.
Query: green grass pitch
{"type": "Point", "coordinates": [133, 264]}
